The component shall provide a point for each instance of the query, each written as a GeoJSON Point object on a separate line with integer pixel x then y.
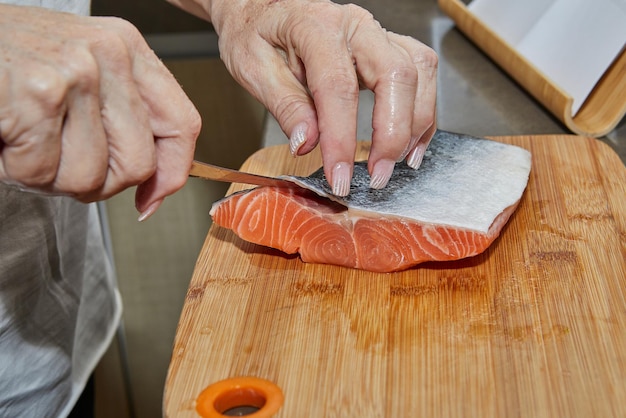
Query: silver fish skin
{"type": "Point", "coordinates": [463, 182]}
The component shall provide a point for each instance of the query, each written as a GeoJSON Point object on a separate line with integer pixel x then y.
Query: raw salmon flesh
{"type": "Point", "coordinates": [454, 206]}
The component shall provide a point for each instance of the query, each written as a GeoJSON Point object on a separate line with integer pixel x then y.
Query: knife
{"type": "Point", "coordinates": [217, 173]}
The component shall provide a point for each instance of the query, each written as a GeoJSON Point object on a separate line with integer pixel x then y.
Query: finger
{"type": "Point", "coordinates": [32, 109]}
{"type": "Point", "coordinates": [173, 120]}
{"type": "Point", "coordinates": [335, 90]}
{"type": "Point", "coordinates": [175, 124]}
{"type": "Point", "coordinates": [24, 119]}
{"type": "Point", "coordinates": [336, 99]}
{"type": "Point", "coordinates": [424, 110]}
{"type": "Point", "coordinates": [131, 155]}
{"type": "Point", "coordinates": [151, 193]}
{"type": "Point", "coordinates": [416, 155]}
{"type": "Point", "coordinates": [279, 83]}
{"type": "Point", "coordinates": [83, 161]}
{"type": "Point", "coordinates": [393, 77]}
{"type": "Point", "coordinates": [52, 119]}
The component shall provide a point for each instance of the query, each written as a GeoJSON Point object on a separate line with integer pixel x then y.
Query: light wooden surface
{"type": "Point", "coordinates": [534, 327]}
{"type": "Point", "coordinates": [601, 112]}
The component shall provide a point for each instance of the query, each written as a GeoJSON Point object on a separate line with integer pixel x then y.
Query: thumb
{"type": "Point", "coordinates": [298, 119]}
{"type": "Point", "coordinates": [292, 106]}
{"type": "Point", "coordinates": [280, 87]}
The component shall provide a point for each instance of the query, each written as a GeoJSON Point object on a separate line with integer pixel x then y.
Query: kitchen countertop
{"type": "Point", "coordinates": [474, 95]}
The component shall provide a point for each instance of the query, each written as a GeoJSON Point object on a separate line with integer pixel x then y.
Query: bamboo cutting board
{"type": "Point", "coordinates": [534, 327]}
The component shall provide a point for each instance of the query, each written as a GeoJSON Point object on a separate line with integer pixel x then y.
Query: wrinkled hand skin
{"type": "Point", "coordinates": [88, 110]}
{"type": "Point", "coordinates": [305, 60]}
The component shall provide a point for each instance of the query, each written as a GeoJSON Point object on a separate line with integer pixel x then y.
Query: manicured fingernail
{"type": "Point", "coordinates": [149, 211]}
{"type": "Point", "coordinates": [341, 179]}
{"type": "Point", "coordinates": [381, 174]}
{"type": "Point", "coordinates": [297, 138]}
{"type": "Point", "coordinates": [408, 149]}
{"type": "Point", "coordinates": [416, 156]}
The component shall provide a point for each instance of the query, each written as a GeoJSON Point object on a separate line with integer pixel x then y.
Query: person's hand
{"type": "Point", "coordinates": [305, 59]}
{"type": "Point", "coordinates": [88, 110]}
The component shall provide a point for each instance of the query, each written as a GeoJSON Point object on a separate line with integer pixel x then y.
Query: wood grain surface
{"type": "Point", "coordinates": [533, 327]}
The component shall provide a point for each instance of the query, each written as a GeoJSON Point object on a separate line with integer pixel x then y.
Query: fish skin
{"type": "Point", "coordinates": [454, 206]}
{"type": "Point", "coordinates": [435, 193]}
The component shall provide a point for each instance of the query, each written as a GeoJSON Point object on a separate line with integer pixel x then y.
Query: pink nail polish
{"type": "Point", "coordinates": [297, 138]}
{"type": "Point", "coordinates": [416, 156]}
{"type": "Point", "coordinates": [341, 179]}
{"type": "Point", "coordinates": [381, 174]}
{"type": "Point", "coordinates": [149, 211]}
{"type": "Point", "coordinates": [408, 149]}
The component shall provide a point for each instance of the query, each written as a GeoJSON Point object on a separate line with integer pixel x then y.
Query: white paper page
{"type": "Point", "coordinates": [510, 19]}
{"type": "Point", "coordinates": [575, 42]}
{"type": "Point", "coordinates": [572, 42]}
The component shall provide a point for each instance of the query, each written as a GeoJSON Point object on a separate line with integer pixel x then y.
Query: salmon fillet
{"type": "Point", "coordinates": [453, 207]}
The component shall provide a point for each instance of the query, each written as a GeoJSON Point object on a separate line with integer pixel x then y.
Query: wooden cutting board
{"type": "Point", "coordinates": [534, 327]}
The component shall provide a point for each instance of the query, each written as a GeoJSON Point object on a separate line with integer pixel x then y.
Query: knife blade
{"type": "Point", "coordinates": [217, 173]}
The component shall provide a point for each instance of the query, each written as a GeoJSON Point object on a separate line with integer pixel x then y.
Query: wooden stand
{"type": "Point", "coordinates": [601, 112]}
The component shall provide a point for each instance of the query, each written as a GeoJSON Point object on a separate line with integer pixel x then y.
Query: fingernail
{"type": "Point", "coordinates": [297, 138]}
{"type": "Point", "coordinates": [149, 211]}
{"type": "Point", "coordinates": [381, 174]}
{"type": "Point", "coordinates": [416, 156]}
{"type": "Point", "coordinates": [408, 149]}
{"type": "Point", "coordinates": [341, 179]}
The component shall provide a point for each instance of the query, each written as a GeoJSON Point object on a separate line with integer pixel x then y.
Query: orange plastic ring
{"type": "Point", "coordinates": [227, 394]}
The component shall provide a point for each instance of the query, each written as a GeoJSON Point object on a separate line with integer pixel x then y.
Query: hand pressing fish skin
{"type": "Point", "coordinates": [453, 207]}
